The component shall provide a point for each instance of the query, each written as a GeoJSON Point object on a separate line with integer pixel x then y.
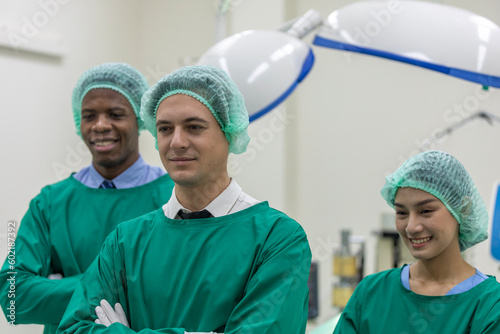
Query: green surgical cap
{"type": "Point", "coordinates": [212, 87]}
{"type": "Point", "coordinates": [119, 77]}
{"type": "Point", "coordinates": [444, 177]}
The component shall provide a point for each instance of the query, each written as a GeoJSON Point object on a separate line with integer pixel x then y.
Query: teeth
{"type": "Point", "coordinates": [420, 241]}
{"type": "Point", "coordinates": [104, 143]}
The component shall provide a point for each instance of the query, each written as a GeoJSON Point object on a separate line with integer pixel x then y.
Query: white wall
{"type": "Point", "coordinates": [352, 121]}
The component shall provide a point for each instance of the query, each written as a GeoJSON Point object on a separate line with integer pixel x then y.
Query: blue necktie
{"type": "Point", "coordinates": [107, 185]}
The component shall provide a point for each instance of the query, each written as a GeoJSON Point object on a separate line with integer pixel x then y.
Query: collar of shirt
{"type": "Point", "coordinates": [220, 206]}
{"type": "Point", "coordinates": [133, 176]}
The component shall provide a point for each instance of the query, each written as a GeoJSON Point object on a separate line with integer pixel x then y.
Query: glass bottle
{"type": "Point", "coordinates": [344, 267]}
{"type": "Point", "coordinates": [344, 262]}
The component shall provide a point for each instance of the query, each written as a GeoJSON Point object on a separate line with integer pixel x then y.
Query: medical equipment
{"type": "Point", "coordinates": [347, 268]}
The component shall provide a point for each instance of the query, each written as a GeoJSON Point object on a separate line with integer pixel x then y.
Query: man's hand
{"type": "Point", "coordinates": [55, 276]}
{"type": "Point", "coordinates": [107, 316]}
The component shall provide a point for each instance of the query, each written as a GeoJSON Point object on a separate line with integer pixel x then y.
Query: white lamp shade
{"type": "Point", "coordinates": [266, 66]}
{"type": "Point", "coordinates": [435, 36]}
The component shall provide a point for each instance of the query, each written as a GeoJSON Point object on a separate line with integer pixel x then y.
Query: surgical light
{"type": "Point", "coordinates": [266, 65]}
{"type": "Point", "coordinates": [438, 37]}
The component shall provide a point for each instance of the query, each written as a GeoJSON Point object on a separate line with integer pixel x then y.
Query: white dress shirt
{"type": "Point", "coordinates": [231, 200]}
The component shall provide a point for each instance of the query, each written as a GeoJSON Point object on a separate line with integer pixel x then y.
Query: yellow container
{"type": "Point", "coordinates": [344, 266]}
{"type": "Point", "coordinates": [341, 294]}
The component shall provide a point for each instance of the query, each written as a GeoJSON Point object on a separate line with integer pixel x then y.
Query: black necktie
{"type": "Point", "coordinates": [107, 185]}
{"type": "Point", "coordinates": [194, 215]}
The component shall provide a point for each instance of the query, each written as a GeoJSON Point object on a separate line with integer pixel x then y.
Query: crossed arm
{"type": "Point", "coordinates": [274, 299]}
{"type": "Point", "coordinates": [106, 316]}
{"type": "Point", "coordinates": [40, 296]}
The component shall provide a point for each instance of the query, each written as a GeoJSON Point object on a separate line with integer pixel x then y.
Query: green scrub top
{"type": "Point", "coordinates": [381, 304]}
{"type": "Point", "coordinates": [245, 272]}
{"type": "Point", "coordinates": [62, 232]}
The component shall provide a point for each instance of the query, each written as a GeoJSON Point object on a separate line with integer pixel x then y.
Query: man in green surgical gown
{"type": "Point", "coordinates": [212, 259]}
{"type": "Point", "coordinates": [66, 224]}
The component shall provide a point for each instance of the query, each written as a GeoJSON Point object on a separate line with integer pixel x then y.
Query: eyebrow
{"type": "Point", "coordinates": [425, 201]}
{"type": "Point", "coordinates": [187, 120]}
{"type": "Point", "coordinates": [161, 121]}
{"type": "Point", "coordinates": [110, 109]}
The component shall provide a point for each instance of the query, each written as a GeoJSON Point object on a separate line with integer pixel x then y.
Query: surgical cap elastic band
{"type": "Point", "coordinates": [415, 185]}
{"type": "Point", "coordinates": [104, 86]}
{"type": "Point", "coordinates": [194, 95]}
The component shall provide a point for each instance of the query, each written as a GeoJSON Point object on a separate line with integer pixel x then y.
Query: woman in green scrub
{"type": "Point", "coordinates": [439, 214]}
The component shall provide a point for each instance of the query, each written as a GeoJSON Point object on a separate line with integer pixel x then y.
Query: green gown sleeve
{"type": "Point", "coordinates": [37, 299]}
{"type": "Point", "coordinates": [491, 323]}
{"type": "Point", "coordinates": [348, 321]}
{"type": "Point", "coordinates": [276, 301]}
{"type": "Point", "coordinates": [104, 279]}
